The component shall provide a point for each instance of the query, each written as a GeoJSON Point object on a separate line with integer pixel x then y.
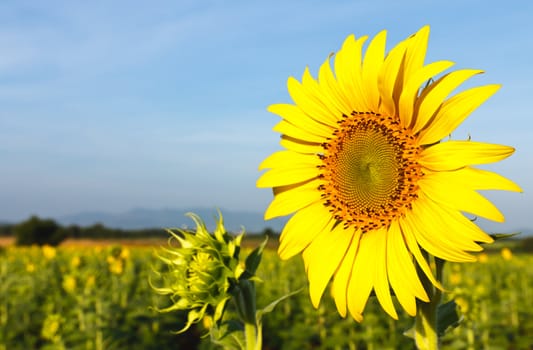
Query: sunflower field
{"type": "Point", "coordinates": [101, 297]}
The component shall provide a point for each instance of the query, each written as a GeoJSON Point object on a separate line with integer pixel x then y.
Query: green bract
{"type": "Point", "coordinates": [201, 271]}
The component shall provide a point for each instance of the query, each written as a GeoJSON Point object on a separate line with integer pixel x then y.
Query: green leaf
{"type": "Point", "coordinates": [410, 333]}
{"type": "Point", "coordinates": [447, 317]}
{"type": "Point", "coordinates": [254, 259]}
{"type": "Point", "coordinates": [244, 298]}
{"type": "Point", "coordinates": [267, 309]}
{"type": "Point", "coordinates": [498, 236]}
{"type": "Point", "coordinates": [229, 335]}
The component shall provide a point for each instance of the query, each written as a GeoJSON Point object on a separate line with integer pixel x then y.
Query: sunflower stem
{"type": "Point", "coordinates": [426, 337]}
{"type": "Point", "coordinates": [245, 300]}
{"type": "Point", "coordinates": [252, 337]}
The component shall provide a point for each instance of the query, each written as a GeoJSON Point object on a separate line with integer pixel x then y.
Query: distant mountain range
{"type": "Point", "coordinates": [141, 218]}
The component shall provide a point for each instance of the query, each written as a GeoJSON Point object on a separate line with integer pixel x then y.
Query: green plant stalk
{"type": "Point", "coordinates": [426, 337]}
{"type": "Point", "coordinates": [259, 337]}
{"type": "Point", "coordinates": [425, 327]}
{"type": "Point", "coordinates": [253, 337]}
{"type": "Point", "coordinates": [246, 305]}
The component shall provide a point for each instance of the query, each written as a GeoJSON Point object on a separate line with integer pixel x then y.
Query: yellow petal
{"type": "Point", "coordinates": [381, 281]}
{"type": "Point", "coordinates": [462, 227]}
{"type": "Point", "coordinates": [282, 176]}
{"type": "Point", "coordinates": [437, 236]}
{"type": "Point", "coordinates": [416, 51]}
{"type": "Point", "coordinates": [454, 111]}
{"type": "Point", "coordinates": [458, 196]}
{"type": "Point", "coordinates": [362, 278]}
{"type": "Point", "coordinates": [458, 226]}
{"type": "Point", "coordinates": [432, 245]}
{"type": "Point", "coordinates": [332, 89]}
{"type": "Point", "coordinates": [314, 89]}
{"type": "Point", "coordinates": [477, 179]}
{"type": "Point", "coordinates": [339, 287]}
{"type": "Point", "coordinates": [322, 258]}
{"type": "Point", "coordinates": [294, 115]}
{"type": "Point", "coordinates": [408, 231]}
{"type": "Point", "coordinates": [412, 86]}
{"type": "Point", "coordinates": [433, 97]}
{"type": "Point", "coordinates": [280, 189]}
{"type": "Point", "coordinates": [387, 78]}
{"type": "Point", "coordinates": [300, 146]}
{"type": "Point", "coordinates": [309, 103]}
{"type": "Point", "coordinates": [348, 65]}
{"type": "Point", "coordinates": [302, 228]}
{"type": "Point", "coordinates": [286, 128]}
{"type": "Point", "coordinates": [292, 200]}
{"type": "Point", "coordinates": [452, 155]}
{"type": "Point", "coordinates": [402, 273]}
{"type": "Point", "coordinates": [372, 63]}
{"type": "Point", "coordinates": [289, 159]}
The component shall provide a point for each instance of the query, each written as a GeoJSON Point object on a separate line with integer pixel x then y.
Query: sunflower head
{"type": "Point", "coordinates": [200, 271]}
{"type": "Point", "coordinates": [371, 182]}
{"type": "Point", "coordinates": [506, 253]}
{"type": "Point", "coordinates": [69, 283]}
{"type": "Point", "coordinates": [49, 252]}
{"type": "Point", "coordinates": [51, 327]}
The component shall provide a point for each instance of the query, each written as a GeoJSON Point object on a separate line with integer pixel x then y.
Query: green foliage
{"type": "Point", "coordinates": [98, 231]}
{"type": "Point", "coordinates": [6, 229]}
{"type": "Point", "coordinates": [39, 231]}
{"type": "Point", "coordinates": [447, 317]}
{"type": "Point", "coordinates": [253, 260]}
{"type": "Point", "coordinates": [270, 233]}
{"type": "Point", "coordinates": [526, 245]}
{"type": "Point", "coordinates": [500, 236]}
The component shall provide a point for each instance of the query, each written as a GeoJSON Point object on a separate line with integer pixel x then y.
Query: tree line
{"type": "Point", "coordinates": [42, 231]}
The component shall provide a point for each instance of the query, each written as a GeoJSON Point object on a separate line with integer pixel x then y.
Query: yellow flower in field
{"type": "Point", "coordinates": [369, 178]}
{"type": "Point", "coordinates": [69, 283]}
{"type": "Point", "coordinates": [51, 326]}
{"type": "Point", "coordinates": [91, 281]}
{"type": "Point", "coordinates": [30, 267]}
{"type": "Point", "coordinates": [455, 278]}
{"type": "Point", "coordinates": [463, 304]}
{"type": "Point", "coordinates": [483, 258]}
{"type": "Point", "coordinates": [116, 265]}
{"type": "Point", "coordinates": [507, 254]}
{"type": "Point", "coordinates": [124, 253]}
{"type": "Point", "coordinates": [110, 259]}
{"type": "Point", "coordinates": [75, 261]}
{"type": "Point", "coordinates": [480, 291]}
{"type": "Point", "coordinates": [49, 252]}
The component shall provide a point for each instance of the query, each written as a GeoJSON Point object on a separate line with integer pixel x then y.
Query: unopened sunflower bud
{"type": "Point", "coordinates": [200, 271]}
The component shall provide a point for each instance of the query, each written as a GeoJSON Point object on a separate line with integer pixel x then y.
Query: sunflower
{"type": "Point", "coordinates": [371, 182]}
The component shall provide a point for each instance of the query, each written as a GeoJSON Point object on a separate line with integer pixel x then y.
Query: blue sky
{"type": "Point", "coordinates": [111, 105]}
